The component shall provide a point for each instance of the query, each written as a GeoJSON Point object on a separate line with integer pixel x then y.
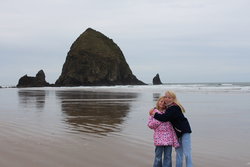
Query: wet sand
{"type": "Point", "coordinates": [24, 148]}
{"type": "Point", "coordinates": [95, 127]}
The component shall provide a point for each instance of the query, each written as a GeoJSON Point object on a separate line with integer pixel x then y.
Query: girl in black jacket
{"type": "Point", "coordinates": [174, 114]}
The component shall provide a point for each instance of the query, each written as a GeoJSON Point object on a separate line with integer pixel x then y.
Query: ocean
{"type": "Point", "coordinates": [107, 125]}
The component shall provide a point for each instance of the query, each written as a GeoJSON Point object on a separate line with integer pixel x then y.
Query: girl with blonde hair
{"type": "Point", "coordinates": [175, 100]}
{"type": "Point", "coordinates": [174, 114]}
{"type": "Point", "coordinates": [164, 137]}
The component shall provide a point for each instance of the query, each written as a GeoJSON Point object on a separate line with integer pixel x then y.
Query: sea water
{"type": "Point", "coordinates": [107, 125]}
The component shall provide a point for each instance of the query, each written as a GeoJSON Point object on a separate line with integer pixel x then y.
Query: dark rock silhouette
{"type": "Point", "coordinates": [94, 59]}
{"type": "Point", "coordinates": [37, 81]}
{"type": "Point", "coordinates": [157, 80]}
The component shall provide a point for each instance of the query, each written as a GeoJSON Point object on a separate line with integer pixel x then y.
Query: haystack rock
{"type": "Point", "coordinates": [37, 81]}
{"type": "Point", "coordinates": [157, 80]}
{"type": "Point", "coordinates": [93, 60]}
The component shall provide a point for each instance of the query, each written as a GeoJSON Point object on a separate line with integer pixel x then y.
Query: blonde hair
{"type": "Point", "coordinates": [175, 100]}
{"type": "Point", "coordinates": [158, 101]}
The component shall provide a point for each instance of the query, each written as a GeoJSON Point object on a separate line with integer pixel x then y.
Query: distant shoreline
{"type": "Point", "coordinates": [150, 84]}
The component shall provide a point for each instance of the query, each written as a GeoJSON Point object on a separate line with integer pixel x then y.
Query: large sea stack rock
{"type": "Point", "coordinates": [157, 80]}
{"type": "Point", "coordinates": [94, 59]}
{"type": "Point", "coordinates": [37, 81]}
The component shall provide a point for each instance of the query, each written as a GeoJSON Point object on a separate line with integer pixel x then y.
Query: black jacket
{"type": "Point", "coordinates": [174, 115]}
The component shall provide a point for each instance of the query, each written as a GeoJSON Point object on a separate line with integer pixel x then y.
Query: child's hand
{"type": "Point", "coordinates": [152, 112]}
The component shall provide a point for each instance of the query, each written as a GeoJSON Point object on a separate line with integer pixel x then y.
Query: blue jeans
{"type": "Point", "coordinates": [184, 149]}
{"type": "Point", "coordinates": [166, 153]}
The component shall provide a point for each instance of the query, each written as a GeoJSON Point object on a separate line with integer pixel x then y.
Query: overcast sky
{"type": "Point", "coordinates": [182, 40]}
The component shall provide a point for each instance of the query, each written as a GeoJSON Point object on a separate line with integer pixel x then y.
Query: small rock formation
{"type": "Point", "coordinates": [37, 81]}
{"type": "Point", "coordinates": [93, 60]}
{"type": "Point", "coordinates": [157, 80]}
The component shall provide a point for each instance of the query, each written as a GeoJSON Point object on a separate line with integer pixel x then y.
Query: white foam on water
{"type": "Point", "coordinates": [186, 87]}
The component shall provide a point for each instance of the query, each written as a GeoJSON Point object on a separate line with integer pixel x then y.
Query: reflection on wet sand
{"type": "Point", "coordinates": [96, 113]}
{"type": "Point", "coordinates": [156, 96]}
{"type": "Point", "coordinates": [32, 98]}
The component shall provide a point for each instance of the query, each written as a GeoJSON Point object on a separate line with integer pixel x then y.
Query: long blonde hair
{"type": "Point", "coordinates": [158, 101]}
{"type": "Point", "coordinates": [175, 100]}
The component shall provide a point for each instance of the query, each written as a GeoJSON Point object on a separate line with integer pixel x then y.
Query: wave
{"type": "Point", "coordinates": [204, 87]}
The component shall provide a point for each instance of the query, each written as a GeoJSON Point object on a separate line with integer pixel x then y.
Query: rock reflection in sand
{"type": "Point", "coordinates": [156, 96]}
{"type": "Point", "coordinates": [32, 98]}
{"type": "Point", "coordinates": [95, 113]}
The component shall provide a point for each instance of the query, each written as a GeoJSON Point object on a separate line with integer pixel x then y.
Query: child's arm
{"type": "Point", "coordinates": [153, 123]}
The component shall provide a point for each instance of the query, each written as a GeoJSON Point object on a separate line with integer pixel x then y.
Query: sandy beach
{"type": "Point", "coordinates": [76, 127]}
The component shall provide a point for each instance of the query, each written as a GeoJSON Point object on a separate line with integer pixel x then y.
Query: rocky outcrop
{"type": "Point", "coordinates": [94, 59]}
{"type": "Point", "coordinates": [37, 81]}
{"type": "Point", "coordinates": [157, 80]}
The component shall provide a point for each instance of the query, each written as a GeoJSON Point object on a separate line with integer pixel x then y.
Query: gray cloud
{"type": "Point", "coordinates": [184, 41]}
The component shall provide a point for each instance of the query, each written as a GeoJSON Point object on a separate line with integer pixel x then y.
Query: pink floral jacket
{"type": "Point", "coordinates": [164, 134]}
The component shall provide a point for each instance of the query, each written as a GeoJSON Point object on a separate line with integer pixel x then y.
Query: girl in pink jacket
{"type": "Point", "coordinates": [164, 137]}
